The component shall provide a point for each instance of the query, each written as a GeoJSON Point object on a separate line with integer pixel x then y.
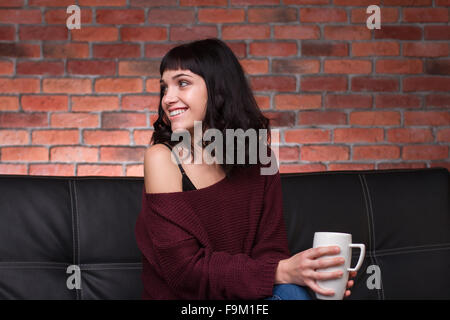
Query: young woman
{"type": "Point", "coordinates": [216, 231]}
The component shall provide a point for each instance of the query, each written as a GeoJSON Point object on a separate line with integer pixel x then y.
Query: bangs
{"type": "Point", "coordinates": [181, 57]}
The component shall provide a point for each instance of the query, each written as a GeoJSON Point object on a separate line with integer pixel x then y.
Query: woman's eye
{"type": "Point", "coordinates": [163, 88]}
{"type": "Point", "coordinates": [184, 82]}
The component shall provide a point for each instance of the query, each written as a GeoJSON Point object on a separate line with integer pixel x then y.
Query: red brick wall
{"type": "Point", "coordinates": [82, 102]}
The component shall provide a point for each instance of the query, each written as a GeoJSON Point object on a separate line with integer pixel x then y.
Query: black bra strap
{"type": "Point", "coordinates": [178, 159]}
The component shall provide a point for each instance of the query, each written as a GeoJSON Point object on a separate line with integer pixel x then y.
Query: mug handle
{"type": "Point", "coordinates": [362, 247]}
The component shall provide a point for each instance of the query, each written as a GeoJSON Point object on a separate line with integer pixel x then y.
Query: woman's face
{"type": "Point", "coordinates": [185, 92]}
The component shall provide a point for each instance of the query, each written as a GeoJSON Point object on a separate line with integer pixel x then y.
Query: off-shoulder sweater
{"type": "Point", "coordinates": [219, 242]}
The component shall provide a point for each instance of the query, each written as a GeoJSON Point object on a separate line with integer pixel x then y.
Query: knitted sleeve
{"type": "Point", "coordinates": [188, 265]}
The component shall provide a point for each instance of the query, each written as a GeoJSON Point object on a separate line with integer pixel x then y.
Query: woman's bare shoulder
{"type": "Point", "coordinates": [161, 174]}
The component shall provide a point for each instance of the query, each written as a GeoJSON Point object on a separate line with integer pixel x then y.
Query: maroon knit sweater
{"type": "Point", "coordinates": [219, 242]}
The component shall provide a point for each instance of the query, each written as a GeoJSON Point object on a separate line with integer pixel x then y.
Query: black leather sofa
{"type": "Point", "coordinates": [48, 224]}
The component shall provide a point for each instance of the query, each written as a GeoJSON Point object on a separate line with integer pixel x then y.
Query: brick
{"type": "Point", "coordinates": [280, 119]}
{"type": "Point", "coordinates": [13, 169]}
{"type": "Point", "coordinates": [437, 100]}
{"type": "Point", "coordinates": [374, 84]}
{"type": "Point", "coordinates": [7, 33]}
{"type": "Point", "coordinates": [22, 85]}
{"type": "Point", "coordinates": [123, 120]}
{"type": "Point", "coordinates": [91, 67]}
{"type": "Point", "coordinates": [427, 118]}
{"type": "Point", "coordinates": [358, 135]}
{"type": "Point", "coordinates": [347, 33]}
{"type": "Point", "coordinates": [423, 49]}
{"type": "Point", "coordinates": [376, 48]}
{"type": "Point", "coordinates": [54, 137]}
{"type": "Point", "coordinates": [347, 66]}
{"type": "Point", "coordinates": [153, 85]}
{"type": "Point", "coordinates": [14, 137]}
{"type": "Point", "coordinates": [253, 2]}
{"type": "Point", "coordinates": [203, 2]}
{"type": "Point", "coordinates": [50, 3]}
{"type": "Point", "coordinates": [23, 120]}
{"type": "Point", "coordinates": [294, 168]}
{"type": "Point", "coordinates": [60, 16]}
{"type": "Point", "coordinates": [307, 136]}
{"type": "Point", "coordinates": [118, 85]}
{"type": "Point", "coordinates": [295, 66]}
{"type": "Point", "coordinates": [20, 16]}
{"type": "Point", "coordinates": [253, 66]}
{"type": "Point", "coordinates": [74, 120]}
{"type": "Point", "coordinates": [95, 34]}
{"type": "Point", "coordinates": [52, 169]}
{"type": "Point", "coordinates": [322, 15]}
{"type": "Point", "coordinates": [74, 154]}
{"type": "Point", "coordinates": [139, 68]}
{"type": "Point", "coordinates": [106, 3]}
{"type": "Point", "coordinates": [276, 83]}
{"type": "Point", "coordinates": [389, 15]}
{"type": "Point", "coordinates": [94, 103]}
{"type": "Point", "coordinates": [262, 15]}
{"type": "Point", "coordinates": [437, 32]}
{"type": "Point", "coordinates": [16, 50]}
{"type": "Point", "coordinates": [280, 49]}
{"type": "Point", "coordinates": [350, 166]}
{"type": "Point", "coordinates": [24, 154]}
{"type": "Point", "coordinates": [153, 3]}
{"type": "Point", "coordinates": [121, 154]}
{"type": "Point", "coordinates": [388, 66]}
{"type": "Point", "coordinates": [124, 16]}
{"type": "Point", "coordinates": [443, 3]}
{"type": "Point", "coordinates": [297, 101]}
{"type": "Point", "coordinates": [43, 33]}
{"type": "Point", "coordinates": [323, 83]}
{"type": "Point", "coordinates": [262, 101]}
{"type": "Point", "coordinates": [6, 67]}
{"type": "Point", "coordinates": [435, 83]}
{"type": "Point", "coordinates": [217, 15]}
{"type": "Point", "coordinates": [398, 33]}
{"type": "Point", "coordinates": [11, 3]}
{"type": "Point", "coordinates": [251, 32]}
{"type": "Point", "coordinates": [401, 165]}
{"type": "Point", "coordinates": [157, 50]}
{"type": "Point", "coordinates": [425, 15]}
{"type": "Point", "coordinates": [40, 68]}
{"type": "Point", "coordinates": [397, 101]}
{"type": "Point", "coordinates": [143, 33]}
{"type": "Point", "coordinates": [406, 135]}
{"type": "Point", "coordinates": [44, 103]}
{"type": "Point", "coordinates": [117, 51]}
{"type": "Point", "coordinates": [106, 137]}
{"type": "Point", "coordinates": [171, 16]}
{"type": "Point", "coordinates": [318, 48]}
{"type": "Point", "coordinates": [134, 170]}
{"type": "Point", "coordinates": [142, 137]}
{"type": "Point", "coordinates": [425, 152]}
{"type": "Point", "coordinates": [296, 32]}
{"type": "Point", "coordinates": [356, 2]}
{"type": "Point", "coordinates": [443, 135]}
{"type": "Point", "coordinates": [407, 3]}
{"type": "Point", "coordinates": [66, 85]}
{"type": "Point", "coordinates": [375, 118]}
{"type": "Point", "coordinates": [99, 170]}
{"type": "Point", "coordinates": [375, 152]}
{"type": "Point", "coordinates": [70, 50]}
{"type": "Point", "coordinates": [9, 103]}
{"type": "Point", "coordinates": [351, 101]}
{"type": "Point", "coordinates": [324, 153]}
{"type": "Point", "coordinates": [289, 153]}
{"type": "Point", "coordinates": [322, 118]}
{"type": "Point", "coordinates": [437, 66]}
{"type": "Point", "coordinates": [192, 33]}
{"type": "Point", "coordinates": [140, 103]}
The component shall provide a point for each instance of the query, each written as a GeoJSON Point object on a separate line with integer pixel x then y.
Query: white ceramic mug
{"type": "Point", "coordinates": [344, 242]}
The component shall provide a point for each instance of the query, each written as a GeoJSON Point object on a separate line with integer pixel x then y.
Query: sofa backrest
{"type": "Point", "coordinates": [53, 229]}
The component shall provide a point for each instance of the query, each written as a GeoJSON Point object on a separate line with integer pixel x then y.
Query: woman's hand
{"type": "Point", "coordinates": [301, 269]}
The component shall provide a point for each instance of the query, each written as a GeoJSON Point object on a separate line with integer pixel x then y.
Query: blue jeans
{"type": "Point", "coordinates": [289, 292]}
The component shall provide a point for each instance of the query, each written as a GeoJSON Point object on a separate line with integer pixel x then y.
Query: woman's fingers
{"type": "Point", "coordinates": [350, 284]}
{"type": "Point", "coordinates": [313, 285]}
{"type": "Point", "coordinates": [326, 275]}
{"type": "Point", "coordinates": [317, 252]}
{"type": "Point", "coordinates": [324, 263]}
{"type": "Point", "coordinates": [347, 293]}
